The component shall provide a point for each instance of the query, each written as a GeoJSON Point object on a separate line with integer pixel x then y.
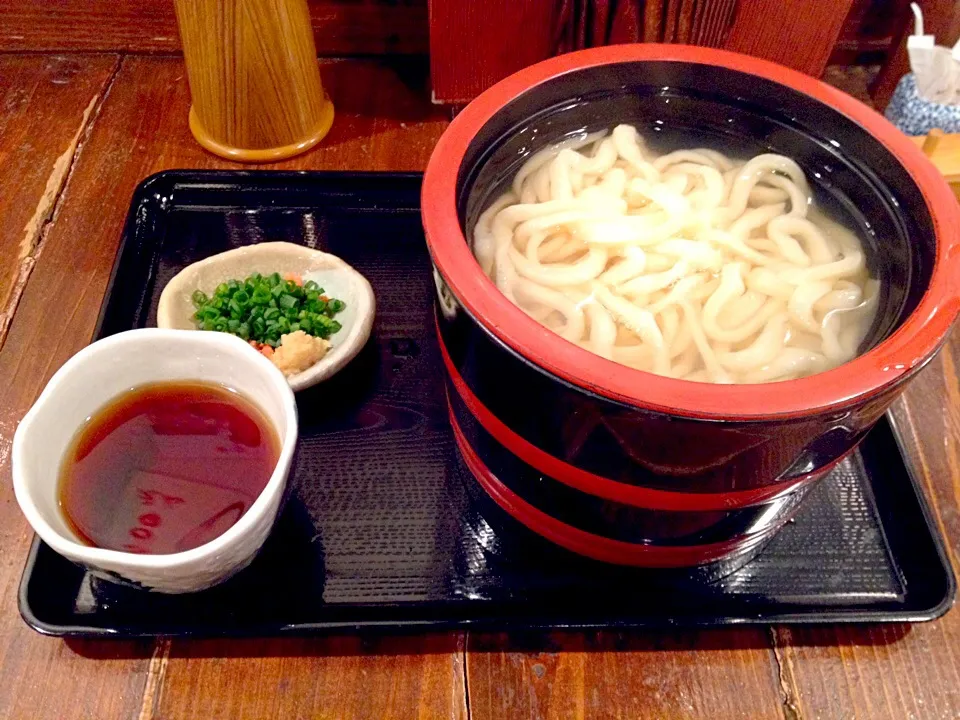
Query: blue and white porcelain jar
{"type": "Point", "coordinates": [914, 115]}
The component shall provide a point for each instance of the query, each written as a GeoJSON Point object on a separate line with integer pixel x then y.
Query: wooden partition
{"type": "Point", "coordinates": [474, 43]}
{"type": "Point", "coordinates": [342, 27]}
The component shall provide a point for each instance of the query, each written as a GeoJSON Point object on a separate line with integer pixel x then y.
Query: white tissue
{"type": "Point", "coordinates": [935, 68]}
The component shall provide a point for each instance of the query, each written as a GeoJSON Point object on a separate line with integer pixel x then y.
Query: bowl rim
{"type": "Point", "coordinates": [354, 337]}
{"type": "Point", "coordinates": [891, 361]}
{"type": "Point", "coordinates": [119, 560]}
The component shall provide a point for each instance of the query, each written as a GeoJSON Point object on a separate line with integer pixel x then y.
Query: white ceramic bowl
{"type": "Point", "coordinates": [339, 280]}
{"type": "Point", "coordinates": [106, 369]}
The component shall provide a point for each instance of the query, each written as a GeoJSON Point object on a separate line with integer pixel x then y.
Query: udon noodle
{"type": "Point", "coordinates": [688, 264]}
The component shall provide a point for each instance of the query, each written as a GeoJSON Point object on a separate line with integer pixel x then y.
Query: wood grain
{"type": "Point", "coordinates": [330, 678]}
{"type": "Point", "coordinates": [713, 21]}
{"type": "Point", "coordinates": [717, 674]}
{"type": "Point", "coordinates": [475, 43]}
{"type": "Point", "coordinates": [46, 104]}
{"type": "Point", "coordinates": [254, 81]}
{"type": "Point", "coordinates": [896, 671]}
{"type": "Point", "coordinates": [342, 27]}
{"type": "Point", "coordinates": [799, 34]}
{"type": "Point", "coordinates": [871, 26]}
{"type": "Point", "coordinates": [944, 152]}
{"type": "Point", "coordinates": [42, 108]}
{"type": "Point", "coordinates": [384, 121]}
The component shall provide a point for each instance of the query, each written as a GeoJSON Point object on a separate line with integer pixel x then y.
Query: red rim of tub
{"type": "Point", "coordinates": [915, 341]}
{"type": "Point", "coordinates": [588, 544]}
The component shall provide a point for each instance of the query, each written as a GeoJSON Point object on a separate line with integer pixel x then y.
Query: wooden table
{"type": "Point", "coordinates": [944, 152]}
{"type": "Point", "coordinates": [77, 133]}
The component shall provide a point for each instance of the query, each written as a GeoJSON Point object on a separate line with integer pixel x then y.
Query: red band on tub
{"type": "Point", "coordinates": [606, 488]}
{"type": "Point", "coordinates": [587, 544]}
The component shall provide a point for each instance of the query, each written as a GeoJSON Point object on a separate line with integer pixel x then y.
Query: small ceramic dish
{"type": "Point", "coordinates": [339, 280]}
{"type": "Point", "coordinates": [107, 368]}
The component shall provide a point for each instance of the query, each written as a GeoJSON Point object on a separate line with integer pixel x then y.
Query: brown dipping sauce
{"type": "Point", "coordinates": [166, 467]}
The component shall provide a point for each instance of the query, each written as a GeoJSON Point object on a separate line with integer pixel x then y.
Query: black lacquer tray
{"type": "Point", "coordinates": [381, 532]}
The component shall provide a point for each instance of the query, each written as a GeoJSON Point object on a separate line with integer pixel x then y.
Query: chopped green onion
{"type": "Point", "coordinates": [263, 308]}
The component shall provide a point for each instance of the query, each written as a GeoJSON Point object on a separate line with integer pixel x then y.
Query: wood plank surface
{"type": "Point", "coordinates": [896, 671]}
{"type": "Point", "coordinates": [418, 677]}
{"type": "Point", "coordinates": [46, 105]}
{"type": "Point", "coordinates": [384, 121]}
{"type": "Point", "coordinates": [718, 674]}
{"type": "Point", "coordinates": [342, 27]}
{"type": "Point", "coordinates": [945, 154]}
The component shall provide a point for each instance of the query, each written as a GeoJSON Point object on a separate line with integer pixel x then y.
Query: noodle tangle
{"type": "Point", "coordinates": [690, 264]}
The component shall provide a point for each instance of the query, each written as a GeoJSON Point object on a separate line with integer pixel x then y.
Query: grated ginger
{"type": "Point", "coordinates": [298, 351]}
